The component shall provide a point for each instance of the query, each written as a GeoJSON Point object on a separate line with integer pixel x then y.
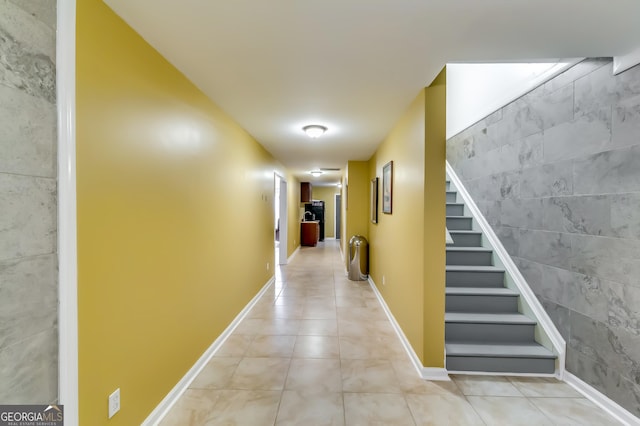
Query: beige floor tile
{"type": "Point", "coordinates": [320, 302]}
{"type": "Point", "coordinates": [276, 311]}
{"type": "Point", "coordinates": [370, 347]}
{"type": "Point", "coordinates": [508, 410]}
{"type": "Point", "coordinates": [235, 346]}
{"type": "Point", "coordinates": [318, 327]}
{"type": "Point", "coordinates": [290, 301]}
{"type": "Point", "coordinates": [366, 409]}
{"type": "Point", "coordinates": [300, 408]}
{"type": "Point", "coordinates": [268, 326]}
{"type": "Point", "coordinates": [322, 291]}
{"type": "Point", "coordinates": [544, 387]}
{"type": "Point", "coordinates": [216, 374]}
{"type": "Point", "coordinates": [372, 313]}
{"type": "Point", "coordinates": [573, 412]}
{"type": "Point", "coordinates": [318, 312]}
{"type": "Point", "coordinates": [411, 382]}
{"type": "Point", "coordinates": [351, 302]}
{"type": "Point", "coordinates": [249, 326]}
{"type": "Point", "coordinates": [260, 374]}
{"type": "Point", "coordinates": [271, 346]}
{"type": "Point", "coordinates": [241, 407]}
{"type": "Point", "coordinates": [444, 410]}
{"type": "Point", "coordinates": [369, 376]}
{"type": "Point", "coordinates": [358, 327]}
{"type": "Point", "coordinates": [486, 385]}
{"type": "Point", "coordinates": [314, 375]}
{"type": "Point", "coordinates": [193, 407]}
{"type": "Point", "coordinates": [316, 347]}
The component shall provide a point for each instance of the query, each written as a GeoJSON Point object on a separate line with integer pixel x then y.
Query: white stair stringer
{"type": "Point", "coordinates": [546, 334]}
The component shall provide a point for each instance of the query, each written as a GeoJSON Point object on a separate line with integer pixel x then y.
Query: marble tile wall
{"type": "Point", "coordinates": [557, 174]}
{"type": "Point", "coordinates": [28, 203]}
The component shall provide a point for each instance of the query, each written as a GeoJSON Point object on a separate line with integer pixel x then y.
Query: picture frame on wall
{"type": "Point", "coordinates": [374, 200]}
{"type": "Point", "coordinates": [387, 188]}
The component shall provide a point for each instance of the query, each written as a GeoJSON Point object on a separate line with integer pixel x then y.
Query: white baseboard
{"type": "Point", "coordinates": [172, 397]}
{"type": "Point", "coordinates": [427, 373]}
{"type": "Point", "coordinates": [295, 252]}
{"type": "Point", "coordinates": [435, 374]}
{"type": "Point", "coordinates": [624, 62]}
{"type": "Point", "coordinates": [601, 400]}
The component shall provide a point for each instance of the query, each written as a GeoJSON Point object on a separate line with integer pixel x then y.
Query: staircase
{"type": "Point", "coordinates": [484, 329]}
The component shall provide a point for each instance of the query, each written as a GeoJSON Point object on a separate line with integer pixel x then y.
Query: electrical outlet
{"type": "Point", "coordinates": [267, 266]}
{"type": "Point", "coordinates": [383, 280]}
{"type": "Point", "coordinates": [114, 402]}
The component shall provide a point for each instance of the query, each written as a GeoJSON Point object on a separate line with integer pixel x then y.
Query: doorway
{"type": "Point", "coordinates": [338, 215]}
{"type": "Point", "coordinates": [281, 219]}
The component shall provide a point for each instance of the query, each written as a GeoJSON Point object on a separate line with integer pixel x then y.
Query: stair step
{"type": "Point", "coordinates": [477, 256]}
{"type": "Point", "coordinates": [487, 318]}
{"type": "Point", "coordinates": [489, 327]}
{"type": "Point", "coordinates": [459, 222]}
{"type": "Point", "coordinates": [455, 209]}
{"type": "Point", "coordinates": [465, 238]}
{"type": "Point", "coordinates": [474, 276]}
{"type": "Point", "coordinates": [481, 300]}
{"type": "Point", "coordinates": [499, 358]}
{"type": "Point", "coordinates": [452, 196]}
{"type": "Point", "coordinates": [481, 291]}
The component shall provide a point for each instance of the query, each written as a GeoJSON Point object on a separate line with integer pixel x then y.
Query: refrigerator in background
{"type": "Point", "coordinates": [316, 207]}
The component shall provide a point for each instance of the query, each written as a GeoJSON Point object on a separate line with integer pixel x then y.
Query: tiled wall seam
{"type": "Point", "coordinates": [28, 203]}
{"type": "Point", "coordinates": [557, 174]}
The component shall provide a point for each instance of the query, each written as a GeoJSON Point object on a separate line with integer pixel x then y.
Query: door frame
{"type": "Point", "coordinates": [284, 220]}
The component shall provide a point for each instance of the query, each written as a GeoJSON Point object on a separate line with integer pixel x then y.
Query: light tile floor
{"type": "Point", "coordinates": [317, 349]}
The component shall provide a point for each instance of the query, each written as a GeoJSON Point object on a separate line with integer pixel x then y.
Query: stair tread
{"type": "Point", "coordinates": [481, 291]}
{"type": "Point", "coordinates": [476, 249]}
{"type": "Point", "coordinates": [487, 318]}
{"type": "Point", "coordinates": [501, 350]}
{"type": "Point", "coordinates": [449, 203]}
{"type": "Point", "coordinates": [464, 231]}
{"type": "Point", "coordinates": [472, 268]}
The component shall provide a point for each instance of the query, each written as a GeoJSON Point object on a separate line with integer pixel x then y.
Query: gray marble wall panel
{"type": "Point", "coordinates": [28, 129]}
{"type": "Point", "coordinates": [28, 203]}
{"type": "Point", "coordinates": [557, 174]}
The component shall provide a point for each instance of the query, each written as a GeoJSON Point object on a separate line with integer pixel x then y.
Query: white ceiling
{"type": "Point", "coordinates": [355, 65]}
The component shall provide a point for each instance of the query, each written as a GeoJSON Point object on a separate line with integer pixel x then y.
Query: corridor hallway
{"type": "Point", "coordinates": [318, 349]}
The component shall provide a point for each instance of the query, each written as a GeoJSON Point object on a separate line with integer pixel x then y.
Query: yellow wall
{"type": "Point", "coordinates": [328, 195]}
{"type": "Point", "coordinates": [355, 203]}
{"type": "Point", "coordinates": [407, 247]}
{"type": "Point", "coordinates": [435, 221]}
{"type": "Point", "coordinates": [396, 243]}
{"type": "Point", "coordinates": [166, 255]}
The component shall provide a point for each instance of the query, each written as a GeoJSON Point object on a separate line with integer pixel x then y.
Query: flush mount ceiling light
{"type": "Point", "coordinates": [314, 130]}
{"type": "Point", "coordinates": [316, 172]}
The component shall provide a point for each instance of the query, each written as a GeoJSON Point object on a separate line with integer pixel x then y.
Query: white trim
{"type": "Point", "coordinates": [624, 62]}
{"type": "Point", "coordinates": [525, 291]}
{"type": "Point", "coordinates": [512, 94]}
{"type": "Point", "coordinates": [295, 252]}
{"type": "Point", "coordinates": [435, 374]}
{"type": "Point", "coordinates": [427, 373]}
{"type": "Point", "coordinates": [67, 219]}
{"type": "Point", "coordinates": [611, 407]}
{"type": "Point", "coordinates": [500, 373]}
{"type": "Point", "coordinates": [172, 397]}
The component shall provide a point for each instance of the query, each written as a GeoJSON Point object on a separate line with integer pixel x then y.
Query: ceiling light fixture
{"type": "Point", "coordinates": [316, 172]}
{"type": "Point", "coordinates": [314, 130]}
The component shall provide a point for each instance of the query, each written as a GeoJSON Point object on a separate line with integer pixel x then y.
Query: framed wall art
{"type": "Point", "coordinates": [387, 187]}
{"type": "Point", "coordinates": [374, 200]}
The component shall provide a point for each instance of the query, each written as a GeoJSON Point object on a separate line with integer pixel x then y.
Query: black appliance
{"type": "Point", "coordinates": [317, 209]}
